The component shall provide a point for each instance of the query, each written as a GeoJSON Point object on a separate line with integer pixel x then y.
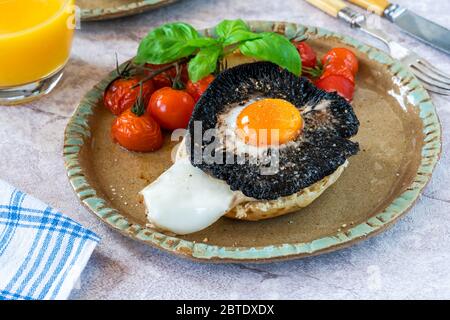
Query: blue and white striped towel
{"type": "Point", "coordinates": [42, 252]}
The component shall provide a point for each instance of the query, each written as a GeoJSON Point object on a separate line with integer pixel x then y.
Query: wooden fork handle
{"type": "Point", "coordinates": [332, 7]}
{"type": "Point", "coordinates": [376, 6]}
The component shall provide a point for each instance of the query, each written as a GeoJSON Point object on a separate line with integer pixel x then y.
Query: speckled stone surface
{"type": "Point", "coordinates": [410, 260]}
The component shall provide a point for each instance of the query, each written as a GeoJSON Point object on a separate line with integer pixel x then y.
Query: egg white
{"type": "Point", "coordinates": [184, 199]}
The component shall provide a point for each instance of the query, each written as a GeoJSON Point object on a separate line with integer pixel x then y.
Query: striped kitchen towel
{"type": "Point", "coordinates": [42, 252]}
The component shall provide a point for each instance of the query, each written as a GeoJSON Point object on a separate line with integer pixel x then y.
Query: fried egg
{"type": "Point", "coordinates": [254, 126]}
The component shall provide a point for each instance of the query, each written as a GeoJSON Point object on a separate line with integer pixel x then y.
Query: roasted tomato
{"type": "Point", "coordinates": [307, 54]}
{"type": "Point", "coordinates": [337, 69]}
{"type": "Point", "coordinates": [171, 108]}
{"type": "Point", "coordinates": [161, 81]}
{"type": "Point", "coordinates": [165, 79]}
{"type": "Point", "coordinates": [196, 89]}
{"type": "Point", "coordinates": [339, 84]}
{"type": "Point", "coordinates": [137, 133]}
{"type": "Point", "coordinates": [340, 62]}
{"type": "Point", "coordinates": [341, 57]}
{"type": "Point", "coordinates": [122, 93]}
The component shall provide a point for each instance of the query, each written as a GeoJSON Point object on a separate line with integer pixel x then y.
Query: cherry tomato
{"type": "Point", "coordinates": [341, 57]}
{"type": "Point", "coordinates": [161, 81]}
{"type": "Point", "coordinates": [340, 84]}
{"type": "Point", "coordinates": [171, 108]}
{"type": "Point", "coordinates": [120, 94]}
{"type": "Point", "coordinates": [198, 88]}
{"type": "Point", "coordinates": [137, 133]}
{"type": "Point", "coordinates": [337, 69]}
{"type": "Point", "coordinates": [165, 79]}
{"type": "Point", "coordinates": [309, 58]}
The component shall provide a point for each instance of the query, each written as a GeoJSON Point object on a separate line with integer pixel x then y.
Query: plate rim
{"type": "Point", "coordinates": [124, 10]}
{"type": "Point", "coordinates": [77, 130]}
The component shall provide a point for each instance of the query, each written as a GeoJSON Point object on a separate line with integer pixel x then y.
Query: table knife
{"type": "Point", "coordinates": [415, 25]}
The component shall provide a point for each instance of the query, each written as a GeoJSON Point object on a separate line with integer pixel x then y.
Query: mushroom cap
{"type": "Point", "coordinates": [322, 146]}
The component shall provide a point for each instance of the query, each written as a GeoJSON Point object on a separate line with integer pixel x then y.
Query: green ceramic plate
{"type": "Point", "coordinates": [92, 10]}
{"type": "Point", "coordinates": [400, 139]}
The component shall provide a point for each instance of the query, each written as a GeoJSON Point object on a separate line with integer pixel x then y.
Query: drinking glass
{"type": "Point", "coordinates": [35, 42]}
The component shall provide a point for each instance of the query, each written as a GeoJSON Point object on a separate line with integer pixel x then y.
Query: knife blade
{"type": "Point", "coordinates": [413, 24]}
{"type": "Point", "coordinates": [419, 27]}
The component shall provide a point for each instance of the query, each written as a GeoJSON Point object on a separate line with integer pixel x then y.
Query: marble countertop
{"type": "Point", "coordinates": [410, 260]}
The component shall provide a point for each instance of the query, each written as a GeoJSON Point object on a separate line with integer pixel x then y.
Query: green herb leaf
{"type": "Point", "coordinates": [234, 31]}
{"type": "Point", "coordinates": [167, 43]}
{"type": "Point", "coordinates": [240, 36]}
{"type": "Point", "coordinates": [202, 42]}
{"type": "Point", "coordinates": [204, 63]}
{"type": "Point", "coordinates": [228, 27]}
{"type": "Point", "coordinates": [274, 48]}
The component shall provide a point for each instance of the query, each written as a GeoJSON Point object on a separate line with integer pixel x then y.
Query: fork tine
{"type": "Point", "coordinates": [436, 90]}
{"type": "Point", "coordinates": [431, 74]}
{"type": "Point", "coordinates": [433, 68]}
{"type": "Point", "coordinates": [424, 77]}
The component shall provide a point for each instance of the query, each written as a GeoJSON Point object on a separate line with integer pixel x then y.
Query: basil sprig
{"type": "Point", "coordinates": [204, 62]}
{"type": "Point", "coordinates": [234, 31]}
{"type": "Point", "coordinates": [174, 41]}
{"type": "Point", "coordinates": [275, 48]}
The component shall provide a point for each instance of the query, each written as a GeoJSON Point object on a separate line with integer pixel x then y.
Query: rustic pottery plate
{"type": "Point", "coordinates": [92, 10]}
{"type": "Point", "coordinates": [400, 139]}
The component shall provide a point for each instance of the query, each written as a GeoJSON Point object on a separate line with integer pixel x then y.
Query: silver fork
{"type": "Point", "coordinates": [433, 79]}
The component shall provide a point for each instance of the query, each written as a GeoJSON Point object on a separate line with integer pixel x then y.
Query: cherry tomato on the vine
{"type": "Point", "coordinates": [341, 57]}
{"type": "Point", "coordinates": [337, 69]}
{"type": "Point", "coordinates": [171, 108]}
{"type": "Point", "coordinates": [196, 89]}
{"type": "Point", "coordinates": [161, 81]}
{"type": "Point", "coordinates": [339, 84]}
{"type": "Point", "coordinates": [307, 54]}
{"type": "Point", "coordinates": [122, 93]}
{"type": "Point", "coordinates": [137, 133]}
{"type": "Point", "coordinates": [165, 79]}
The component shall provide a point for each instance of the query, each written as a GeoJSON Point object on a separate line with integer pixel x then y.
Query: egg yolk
{"type": "Point", "coordinates": [269, 122]}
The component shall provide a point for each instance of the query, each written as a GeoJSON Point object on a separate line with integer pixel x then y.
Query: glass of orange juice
{"type": "Point", "coordinates": [35, 42]}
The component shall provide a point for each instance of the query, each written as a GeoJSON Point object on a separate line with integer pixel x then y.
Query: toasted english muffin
{"type": "Point", "coordinates": [260, 210]}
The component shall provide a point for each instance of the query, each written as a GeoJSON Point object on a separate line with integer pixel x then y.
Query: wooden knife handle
{"type": "Point", "coordinates": [332, 7]}
{"type": "Point", "coordinates": [376, 6]}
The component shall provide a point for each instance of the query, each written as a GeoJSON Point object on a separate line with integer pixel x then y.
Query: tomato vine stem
{"type": "Point", "coordinates": [139, 106]}
{"type": "Point", "coordinates": [159, 71]}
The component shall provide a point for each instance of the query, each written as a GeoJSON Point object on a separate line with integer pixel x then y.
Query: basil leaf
{"type": "Point", "coordinates": [202, 42]}
{"type": "Point", "coordinates": [228, 27]}
{"type": "Point", "coordinates": [167, 43]}
{"type": "Point", "coordinates": [204, 63]}
{"type": "Point", "coordinates": [234, 31]}
{"type": "Point", "coordinates": [240, 36]}
{"type": "Point", "coordinates": [274, 48]}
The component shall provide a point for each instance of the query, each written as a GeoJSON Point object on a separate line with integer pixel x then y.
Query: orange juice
{"type": "Point", "coordinates": [35, 39]}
